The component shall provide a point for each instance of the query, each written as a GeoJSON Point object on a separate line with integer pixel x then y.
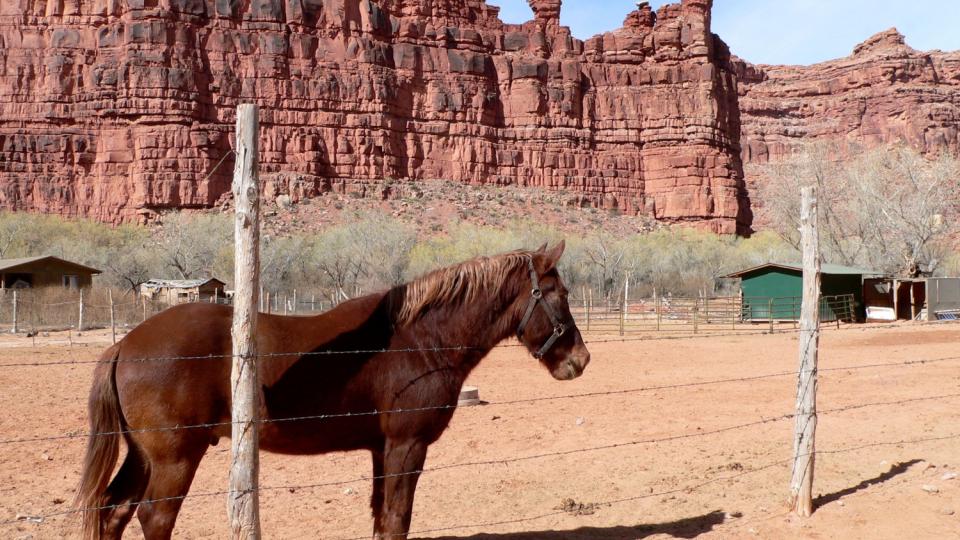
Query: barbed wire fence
{"type": "Point", "coordinates": [41, 517]}
{"type": "Point", "coordinates": [704, 318]}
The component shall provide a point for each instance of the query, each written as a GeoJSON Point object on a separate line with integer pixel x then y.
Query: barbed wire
{"type": "Point", "coordinates": [623, 339]}
{"type": "Point", "coordinates": [687, 489]}
{"type": "Point", "coordinates": [527, 400]}
{"type": "Point", "coordinates": [580, 395]}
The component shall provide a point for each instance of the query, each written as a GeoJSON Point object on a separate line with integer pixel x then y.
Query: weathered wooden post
{"type": "Point", "coordinates": [15, 312]}
{"type": "Point", "coordinates": [801, 483]}
{"type": "Point", "coordinates": [113, 322]}
{"type": "Point", "coordinates": [696, 308]}
{"type": "Point", "coordinates": [623, 305]}
{"type": "Point", "coordinates": [589, 305]}
{"type": "Point", "coordinates": [80, 317]}
{"type": "Point", "coordinates": [583, 299]}
{"type": "Point", "coordinates": [143, 299]}
{"type": "Point", "coordinates": [243, 500]}
{"type": "Point", "coordinates": [626, 302]}
{"type": "Point", "coordinates": [659, 310]}
{"type": "Point", "coordinates": [770, 313]}
{"type": "Point", "coordinates": [294, 301]}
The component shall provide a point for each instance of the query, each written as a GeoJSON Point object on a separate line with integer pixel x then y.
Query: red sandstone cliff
{"type": "Point", "coordinates": [885, 92]}
{"type": "Point", "coordinates": [118, 109]}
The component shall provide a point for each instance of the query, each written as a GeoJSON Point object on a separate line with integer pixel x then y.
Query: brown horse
{"type": "Point", "coordinates": [476, 304]}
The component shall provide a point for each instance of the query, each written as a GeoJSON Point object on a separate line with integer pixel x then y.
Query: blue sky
{"type": "Point", "coordinates": [782, 31]}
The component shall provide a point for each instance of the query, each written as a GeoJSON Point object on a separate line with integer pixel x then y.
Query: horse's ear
{"type": "Point", "coordinates": [553, 256]}
{"type": "Point", "coordinates": [542, 249]}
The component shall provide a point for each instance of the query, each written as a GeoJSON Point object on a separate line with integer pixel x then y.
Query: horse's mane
{"type": "Point", "coordinates": [467, 282]}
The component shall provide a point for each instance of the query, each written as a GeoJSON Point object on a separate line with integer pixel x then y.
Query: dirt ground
{"type": "Point", "coordinates": [886, 471]}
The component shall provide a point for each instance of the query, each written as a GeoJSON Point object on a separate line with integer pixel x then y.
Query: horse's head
{"type": "Point", "coordinates": [546, 326]}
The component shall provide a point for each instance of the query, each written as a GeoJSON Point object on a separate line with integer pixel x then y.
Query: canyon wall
{"type": "Point", "coordinates": [883, 93]}
{"type": "Point", "coordinates": [121, 109]}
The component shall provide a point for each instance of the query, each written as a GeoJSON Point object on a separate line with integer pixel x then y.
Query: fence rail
{"type": "Point", "coordinates": [695, 314]}
{"type": "Point", "coordinates": [46, 310]}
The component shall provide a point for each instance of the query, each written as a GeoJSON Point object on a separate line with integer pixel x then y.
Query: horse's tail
{"type": "Point", "coordinates": [103, 447]}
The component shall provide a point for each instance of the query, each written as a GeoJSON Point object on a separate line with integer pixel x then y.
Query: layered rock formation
{"type": "Point", "coordinates": [885, 92]}
{"type": "Point", "coordinates": [119, 109]}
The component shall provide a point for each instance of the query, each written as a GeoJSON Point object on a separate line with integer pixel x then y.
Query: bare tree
{"type": "Point", "coordinates": [189, 245]}
{"type": "Point", "coordinates": [891, 208]}
{"type": "Point", "coordinates": [607, 256]}
{"type": "Point", "coordinates": [911, 203]}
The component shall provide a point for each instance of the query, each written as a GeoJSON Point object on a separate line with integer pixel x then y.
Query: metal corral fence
{"type": "Point", "coordinates": [696, 314]}
{"type": "Point", "coordinates": [55, 309]}
{"type": "Point", "coordinates": [52, 309]}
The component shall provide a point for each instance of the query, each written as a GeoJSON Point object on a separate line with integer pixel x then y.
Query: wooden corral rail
{"type": "Point", "coordinates": [697, 314]}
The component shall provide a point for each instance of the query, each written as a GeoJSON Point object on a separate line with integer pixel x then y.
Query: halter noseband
{"type": "Point", "coordinates": [536, 297]}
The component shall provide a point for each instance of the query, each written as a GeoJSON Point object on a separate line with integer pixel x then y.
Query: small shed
{"type": "Point", "coordinates": [890, 299]}
{"type": "Point", "coordinates": [774, 291]}
{"type": "Point", "coordinates": [181, 291]}
{"type": "Point", "coordinates": [44, 271]}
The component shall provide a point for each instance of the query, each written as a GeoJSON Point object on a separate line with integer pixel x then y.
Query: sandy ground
{"type": "Point", "coordinates": [730, 484]}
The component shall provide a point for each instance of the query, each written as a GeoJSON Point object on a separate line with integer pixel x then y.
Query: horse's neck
{"type": "Point", "coordinates": [464, 334]}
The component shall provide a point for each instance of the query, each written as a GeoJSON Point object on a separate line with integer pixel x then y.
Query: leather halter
{"type": "Point", "coordinates": [536, 297]}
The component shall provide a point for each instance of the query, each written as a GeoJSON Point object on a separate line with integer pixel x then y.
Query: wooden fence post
{"type": "Point", "coordinates": [80, 317]}
{"type": "Point", "coordinates": [589, 306]}
{"type": "Point", "coordinates": [696, 308]}
{"type": "Point", "coordinates": [623, 307]}
{"type": "Point", "coordinates": [801, 483]}
{"type": "Point", "coordinates": [243, 500]}
{"type": "Point", "coordinates": [659, 309]}
{"type": "Point", "coordinates": [15, 310]}
{"type": "Point", "coordinates": [143, 299]}
{"type": "Point", "coordinates": [770, 313]}
{"type": "Point", "coordinates": [113, 322]}
{"type": "Point", "coordinates": [586, 311]}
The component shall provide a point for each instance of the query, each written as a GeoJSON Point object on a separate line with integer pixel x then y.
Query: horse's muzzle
{"type": "Point", "coordinates": [572, 367]}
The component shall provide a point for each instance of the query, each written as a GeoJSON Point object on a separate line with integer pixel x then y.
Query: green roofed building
{"type": "Point", "coordinates": [774, 291]}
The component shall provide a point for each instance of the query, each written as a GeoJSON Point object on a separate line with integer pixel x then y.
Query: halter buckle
{"type": "Point", "coordinates": [536, 293]}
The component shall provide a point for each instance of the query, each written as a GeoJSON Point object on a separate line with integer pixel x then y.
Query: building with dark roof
{"type": "Point", "coordinates": [44, 271]}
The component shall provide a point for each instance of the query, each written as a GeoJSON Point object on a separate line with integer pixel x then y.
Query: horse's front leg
{"type": "Point", "coordinates": [376, 498]}
{"type": "Point", "coordinates": [403, 461]}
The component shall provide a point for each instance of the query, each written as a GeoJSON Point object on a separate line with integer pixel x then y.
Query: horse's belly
{"type": "Point", "coordinates": [318, 436]}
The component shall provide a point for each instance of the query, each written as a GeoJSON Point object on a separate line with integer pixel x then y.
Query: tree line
{"type": "Point", "coordinates": [890, 210]}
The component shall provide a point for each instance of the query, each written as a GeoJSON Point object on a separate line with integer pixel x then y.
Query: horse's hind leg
{"type": "Point", "coordinates": [172, 469]}
{"type": "Point", "coordinates": [123, 494]}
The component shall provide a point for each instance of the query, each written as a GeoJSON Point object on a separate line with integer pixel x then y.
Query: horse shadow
{"type": "Point", "coordinates": [691, 527]}
{"type": "Point", "coordinates": [895, 470]}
